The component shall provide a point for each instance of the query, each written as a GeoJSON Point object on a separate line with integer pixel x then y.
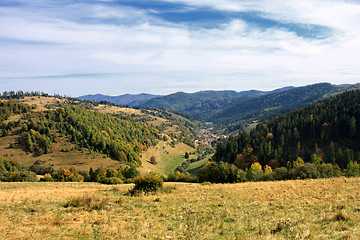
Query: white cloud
{"type": "Point", "coordinates": [141, 53]}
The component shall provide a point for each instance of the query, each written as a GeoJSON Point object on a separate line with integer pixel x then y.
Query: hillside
{"type": "Point", "coordinates": [325, 132]}
{"type": "Point", "coordinates": [131, 100]}
{"type": "Point", "coordinates": [65, 132]}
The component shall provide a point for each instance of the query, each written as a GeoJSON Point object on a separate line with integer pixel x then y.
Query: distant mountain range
{"type": "Point", "coordinates": [131, 100]}
{"type": "Point", "coordinates": [203, 104]}
{"type": "Point", "coordinates": [231, 110]}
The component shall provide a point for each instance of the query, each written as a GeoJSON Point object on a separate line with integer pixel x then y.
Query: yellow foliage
{"type": "Point", "coordinates": [299, 162]}
{"type": "Point", "coordinates": [268, 169]}
{"type": "Point", "coordinates": [256, 167]}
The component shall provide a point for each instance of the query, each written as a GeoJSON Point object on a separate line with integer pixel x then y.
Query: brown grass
{"type": "Point", "coordinates": [40, 101]}
{"type": "Point", "coordinates": [306, 209]}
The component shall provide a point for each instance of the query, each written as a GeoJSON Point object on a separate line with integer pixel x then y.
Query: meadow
{"type": "Point", "coordinates": [296, 209]}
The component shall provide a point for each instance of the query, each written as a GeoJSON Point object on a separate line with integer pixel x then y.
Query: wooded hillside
{"type": "Point", "coordinates": [324, 132]}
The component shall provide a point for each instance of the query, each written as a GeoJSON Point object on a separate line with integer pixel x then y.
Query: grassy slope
{"type": "Point", "coordinates": [168, 158]}
{"type": "Point", "coordinates": [194, 167]}
{"type": "Point", "coordinates": [300, 209]}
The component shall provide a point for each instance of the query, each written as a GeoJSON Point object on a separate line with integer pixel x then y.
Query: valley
{"type": "Point", "coordinates": [60, 132]}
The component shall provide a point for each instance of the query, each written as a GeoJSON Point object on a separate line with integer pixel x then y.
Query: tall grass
{"type": "Point", "coordinates": [298, 209]}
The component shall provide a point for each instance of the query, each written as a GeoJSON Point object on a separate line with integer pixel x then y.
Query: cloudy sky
{"type": "Point", "coordinates": [76, 47]}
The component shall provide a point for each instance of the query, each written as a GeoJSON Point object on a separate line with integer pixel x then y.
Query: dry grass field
{"type": "Point", "coordinates": [41, 102]}
{"type": "Point", "coordinates": [301, 209]}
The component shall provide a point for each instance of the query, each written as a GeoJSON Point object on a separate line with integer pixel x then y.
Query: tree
{"type": "Point", "coordinates": [187, 155]}
{"type": "Point", "coordinates": [254, 172]}
{"type": "Point", "coordinates": [352, 131]}
{"type": "Point", "coordinates": [153, 160]}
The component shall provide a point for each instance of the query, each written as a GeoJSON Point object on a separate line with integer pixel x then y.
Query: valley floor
{"type": "Point", "coordinates": [299, 209]}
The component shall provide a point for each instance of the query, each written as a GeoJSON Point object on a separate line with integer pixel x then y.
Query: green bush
{"type": "Point", "coordinates": [180, 177]}
{"type": "Point", "coordinates": [221, 173]}
{"type": "Point", "coordinates": [328, 170]}
{"type": "Point", "coordinates": [308, 170]}
{"type": "Point", "coordinates": [281, 173]}
{"type": "Point", "coordinates": [147, 183]}
{"type": "Point", "coordinates": [111, 180]}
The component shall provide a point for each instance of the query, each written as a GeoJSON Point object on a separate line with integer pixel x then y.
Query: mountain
{"type": "Point", "coordinates": [270, 105]}
{"type": "Point", "coordinates": [327, 131]}
{"type": "Point", "coordinates": [204, 103]}
{"type": "Point", "coordinates": [131, 100]}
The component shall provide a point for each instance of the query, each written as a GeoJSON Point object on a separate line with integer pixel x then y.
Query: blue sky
{"type": "Point", "coordinates": [76, 47]}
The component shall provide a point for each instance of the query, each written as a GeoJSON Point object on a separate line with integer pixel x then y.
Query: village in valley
{"type": "Point", "coordinates": [208, 137]}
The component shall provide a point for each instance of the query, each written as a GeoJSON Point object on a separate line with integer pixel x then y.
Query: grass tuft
{"type": "Point", "coordinates": [341, 216]}
{"type": "Point", "coordinates": [88, 203]}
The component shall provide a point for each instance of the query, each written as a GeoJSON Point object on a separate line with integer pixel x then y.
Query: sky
{"type": "Point", "coordinates": [113, 47]}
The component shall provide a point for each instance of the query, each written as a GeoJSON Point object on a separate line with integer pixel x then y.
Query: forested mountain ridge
{"type": "Point", "coordinates": [131, 100]}
{"type": "Point", "coordinates": [270, 105]}
{"type": "Point", "coordinates": [202, 104]}
{"type": "Point", "coordinates": [328, 131]}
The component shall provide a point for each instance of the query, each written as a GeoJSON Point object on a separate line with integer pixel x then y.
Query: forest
{"type": "Point", "coordinates": [320, 137]}
{"type": "Point", "coordinates": [116, 136]}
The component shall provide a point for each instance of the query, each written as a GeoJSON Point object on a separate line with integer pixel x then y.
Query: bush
{"type": "Point", "coordinates": [180, 177]}
{"type": "Point", "coordinates": [353, 169]}
{"type": "Point", "coordinates": [221, 173]}
{"type": "Point", "coordinates": [281, 173]}
{"type": "Point", "coordinates": [153, 160]}
{"type": "Point", "coordinates": [147, 183]}
{"type": "Point", "coordinates": [47, 178]}
{"type": "Point", "coordinates": [328, 170]}
{"type": "Point", "coordinates": [308, 170]}
{"type": "Point", "coordinates": [111, 180]}
{"type": "Point", "coordinates": [22, 176]}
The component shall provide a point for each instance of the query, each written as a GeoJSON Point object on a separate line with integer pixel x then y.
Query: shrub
{"type": "Point", "coordinates": [329, 170]}
{"type": "Point", "coordinates": [180, 177]}
{"type": "Point", "coordinates": [22, 176]}
{"type": "Point", "coordinates": [255, 173]}
{"type": "Point", "coordinates": [281, 173]}
{"type": "Point", "coordinates": [129, 172]}
{"type": "Point", "coordinates": [153, 160]}
{"type": "Point", "coordinates": [353, 169]}
{"type": "Point", "coordinates": [111, 180]}
{"type": "Point", "coordinates": [47, 178]}
{"type": "Point", "coordinates": [221, 173]}
{"type": "Point", "coordinates": [148, 183]}
{"type": "Point", "coordinates": [308, 170]}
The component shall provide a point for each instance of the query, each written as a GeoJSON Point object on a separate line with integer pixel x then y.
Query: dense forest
{"type": "Point", "coordinates": [116, 136]}
{"type": "Point", "coordinates": [327, 132]}
{"type": "Point", "coordinates": [264, 107]}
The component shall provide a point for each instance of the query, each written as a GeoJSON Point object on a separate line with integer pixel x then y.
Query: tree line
{"type": "Point", "coordinates": [323, 133]}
